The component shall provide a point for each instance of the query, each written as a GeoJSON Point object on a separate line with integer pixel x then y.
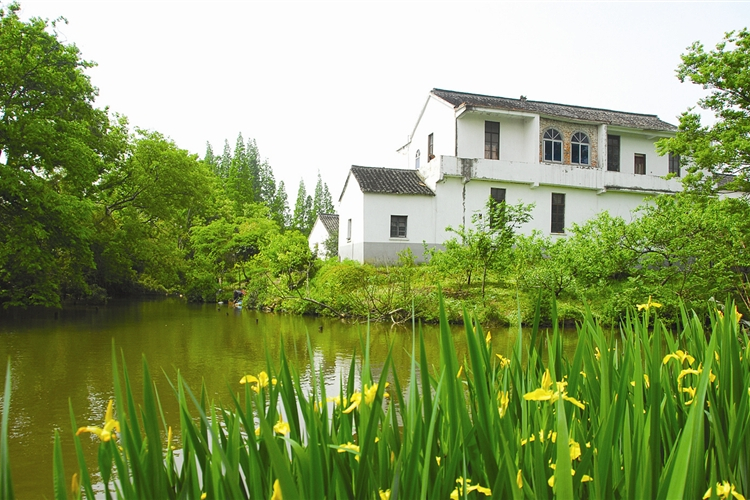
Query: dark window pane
{"type": "Point", "coordinates": [398, 226]}
{"type": "Point", "coordinates": [640, 164]}
{"type": "Point", "coordinates": [613, 153]}
{"type": "Point", "coordinates": [558, 151]}
{"type": "Point", "coordinates": [575, 153]}
{"type": "Point", "coordinates": [558, 213]}
{"type": "Point", "coordinates": [584, 154]}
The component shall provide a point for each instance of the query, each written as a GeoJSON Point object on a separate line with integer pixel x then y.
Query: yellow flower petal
{"type": "Point", "coordinates": [281, 427]}
{"type": "Point", "coordinates": [249, 379]}
{"type": "Point", "coordinates": [355, 400]}
{"type": "Point", "coordinates": [519, 479]}
{"type": "Point", "coordinates": [586, 478]}
{"type": "Point", "coordinates": [370, 393]}
{"type": "Point", "coordinates": [538, 395]}
{"type": "Point", "coordinates": [276, 491]}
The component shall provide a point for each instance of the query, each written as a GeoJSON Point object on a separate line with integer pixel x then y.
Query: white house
{"type": "Point", "coordinates": [326, 225]}
{"type": "Point", "coordinates": [572, 162]}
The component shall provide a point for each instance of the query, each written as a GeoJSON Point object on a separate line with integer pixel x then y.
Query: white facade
{"type": "Point", "coordinates": [460, 175]}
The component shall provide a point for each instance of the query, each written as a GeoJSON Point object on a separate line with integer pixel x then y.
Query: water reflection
{"type": "Point", "coordinates": [54, 358]}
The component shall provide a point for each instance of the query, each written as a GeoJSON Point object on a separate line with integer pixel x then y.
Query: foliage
{"type": "Point", "coordinates": [53, 145]}
{"type": "Point", "coordinates": [723, 147]}
{"type": "Point", "coordinates": [646, 413]}
{"type": "Point", "coordinates": [486, 245]}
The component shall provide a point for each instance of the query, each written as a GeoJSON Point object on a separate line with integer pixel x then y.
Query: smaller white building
{"type": "Point", "coordinates": [571, 162]}
{"type": "Point", "coordinates": [326, 226]}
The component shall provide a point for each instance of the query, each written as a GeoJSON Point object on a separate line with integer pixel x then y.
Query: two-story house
{"type": "Point", "coordinates": [572, 162]}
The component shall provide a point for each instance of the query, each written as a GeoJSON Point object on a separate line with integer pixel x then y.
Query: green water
{"type": "Point", "coordinates": [57, 357]}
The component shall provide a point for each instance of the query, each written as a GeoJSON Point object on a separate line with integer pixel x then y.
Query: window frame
{"type": "Point", "coordinates": [613, 166]}
{"type": "Point", "coordinates": [557, 213]}
{"type": "Point", "coordinates": [636, 158]}
{"type": "Point", "coordinates": [349, 230]}
{"type": "Point", "coordinates": [552, 141]}
{"type": "Point", "coordinates": [580, 142]}
{"type": "Point", "coordinates": [674, 164]}
{"type": "Point", "coordinates": [491, 138]}
{"type": "Point", "coordinates": [399, 222]}
{"type": "Point", "coordinates": [497, 195]}
{"type": "Point", "coordinates": [417, 157]}
{"type": "Point", "coordinates": [430, 147]}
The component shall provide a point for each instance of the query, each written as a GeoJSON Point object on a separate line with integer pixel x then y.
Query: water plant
{"type": "Point", "coordinates": [641, 412]}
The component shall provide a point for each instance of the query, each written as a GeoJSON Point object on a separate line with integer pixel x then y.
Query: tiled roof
{"type": "Point", "coordinates": [330, 222]}
{"type": "Point", "coordinates": [390, 181]}
{"type": "Point", "coordinates": [617, 118]}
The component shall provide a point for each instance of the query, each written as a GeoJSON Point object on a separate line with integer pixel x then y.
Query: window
{"type": "Point", "coordinates": [416, 160]}
{"type": "Point", "coordinates": [640, 164]}
{"type": "Point", "coordinates": [398, 226]}
{"type": "Point", "coordinates": [674, 164]}
{"type": "Point", "coordinates": [579, 149]}
{"type": "Point", "coordinates": [558, 213]}
{"type": "Point", "coordinates": [349, 230]}
{"type": "Point", "coordinates": [492, 140]}
{"type": "Point", "coordinates": [430, 147]}
{"type": "Point", "coordinates": [497, 195]}
{"type": "Point", "coordinates": [552, 145]}
{"type": "Point", "coordinates": [613, 153]}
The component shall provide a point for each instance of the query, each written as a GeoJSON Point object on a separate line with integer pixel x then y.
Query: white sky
{"type": "Point", "coordinates": [325, 85]}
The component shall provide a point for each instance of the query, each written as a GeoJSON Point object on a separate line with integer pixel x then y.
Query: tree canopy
{"type": "Point", "coordinates": [722, 148]}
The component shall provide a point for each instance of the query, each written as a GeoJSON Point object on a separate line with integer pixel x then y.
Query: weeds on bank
{"type": "Point", "coordinates": [640, 413]}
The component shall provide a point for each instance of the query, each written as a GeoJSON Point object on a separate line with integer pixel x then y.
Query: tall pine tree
{"type": "Point", "coordinates": [240, 187]}
{"type": "Point", "coordinates": [280, 207]}
{"type": "Point", "coordinates": [302, 219]}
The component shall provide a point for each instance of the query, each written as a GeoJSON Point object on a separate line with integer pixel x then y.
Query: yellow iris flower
{"type": "Point", "coordinates": [724, 490]}
{"type": "Point", "coordinates": [544, 393]}
{"type": "Point", "coordinates": [504, 362]}
{"type": "Point", "coordinates": [111, 426]}
{"type": "Point", "coordinates": [356, 398]}
{"type": "Point", "coordinates": [680, 356]}
{"type": "Point", "coordinates": [259, 382]}
{"type": "Point", "coordinates": [281, 427]}
{"type": "Point", "coordinates": [276, 491]}
{"type": "Point", "coordinates": [459, 491]}
{"type": "Point", "coordinates": [648, 305]}
{"type": "Point", "coordinates": [350, 447]}
{"type": "Point", "coordinates": [503, 398]}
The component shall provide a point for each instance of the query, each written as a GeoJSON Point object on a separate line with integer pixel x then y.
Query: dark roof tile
{"type": "Point", "coordinates": [390, 181]}
{"type": "Point", "coordinates": [617, 118]}
{"type": "Point", "coordinates": [330, 222]}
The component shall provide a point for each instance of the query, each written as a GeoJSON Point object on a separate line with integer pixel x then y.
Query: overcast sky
{"type": "Point", "coordinates": [322, 86]}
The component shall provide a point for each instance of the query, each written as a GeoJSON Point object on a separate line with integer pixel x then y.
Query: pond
{"type": "Point", "coordinates": [60, 356]}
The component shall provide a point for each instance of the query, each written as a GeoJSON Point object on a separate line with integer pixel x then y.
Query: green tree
{"type": "Point", "coordinates": [54, 146]}
{"type": "Point", "coordinates": [280, 207]}
{"type": "Point", "coordinates": [145, 208]}
{"type": "Point", "coordinates": [723, 147]}
{"type": "Point", "coordinates": [486, 245]}
{"type": "Point", "coordinates": [322, 201]}
{"type": "Point", "coordinates": [302, 218]}
{"type": "Point", "coordinates": [240, 182]}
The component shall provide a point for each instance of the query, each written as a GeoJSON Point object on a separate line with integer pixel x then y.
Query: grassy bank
{"type": "Point", "coordinates": [642, 413]}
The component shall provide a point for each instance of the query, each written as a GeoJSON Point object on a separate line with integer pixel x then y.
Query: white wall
{"type": "Point", "coordinates": [318, 236]}
{"type": "Point", "coordinates": [630, 144]}
{"type": "Point", "coordinates": [458, 201]}
{"type": "Point", "coordinates": [438, 119]}
{"type": "Point", "coordinates": [516, 143]}
{"type": "Point", "coordinates": [351, 206]}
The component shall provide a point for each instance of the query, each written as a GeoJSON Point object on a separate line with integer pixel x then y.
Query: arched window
{"type": "Point", "coordinates": [416, 160]}
{"type": "Point", "coordinates": [552, 145]}
{"type": "Point", "coordinates": [579, 149]}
